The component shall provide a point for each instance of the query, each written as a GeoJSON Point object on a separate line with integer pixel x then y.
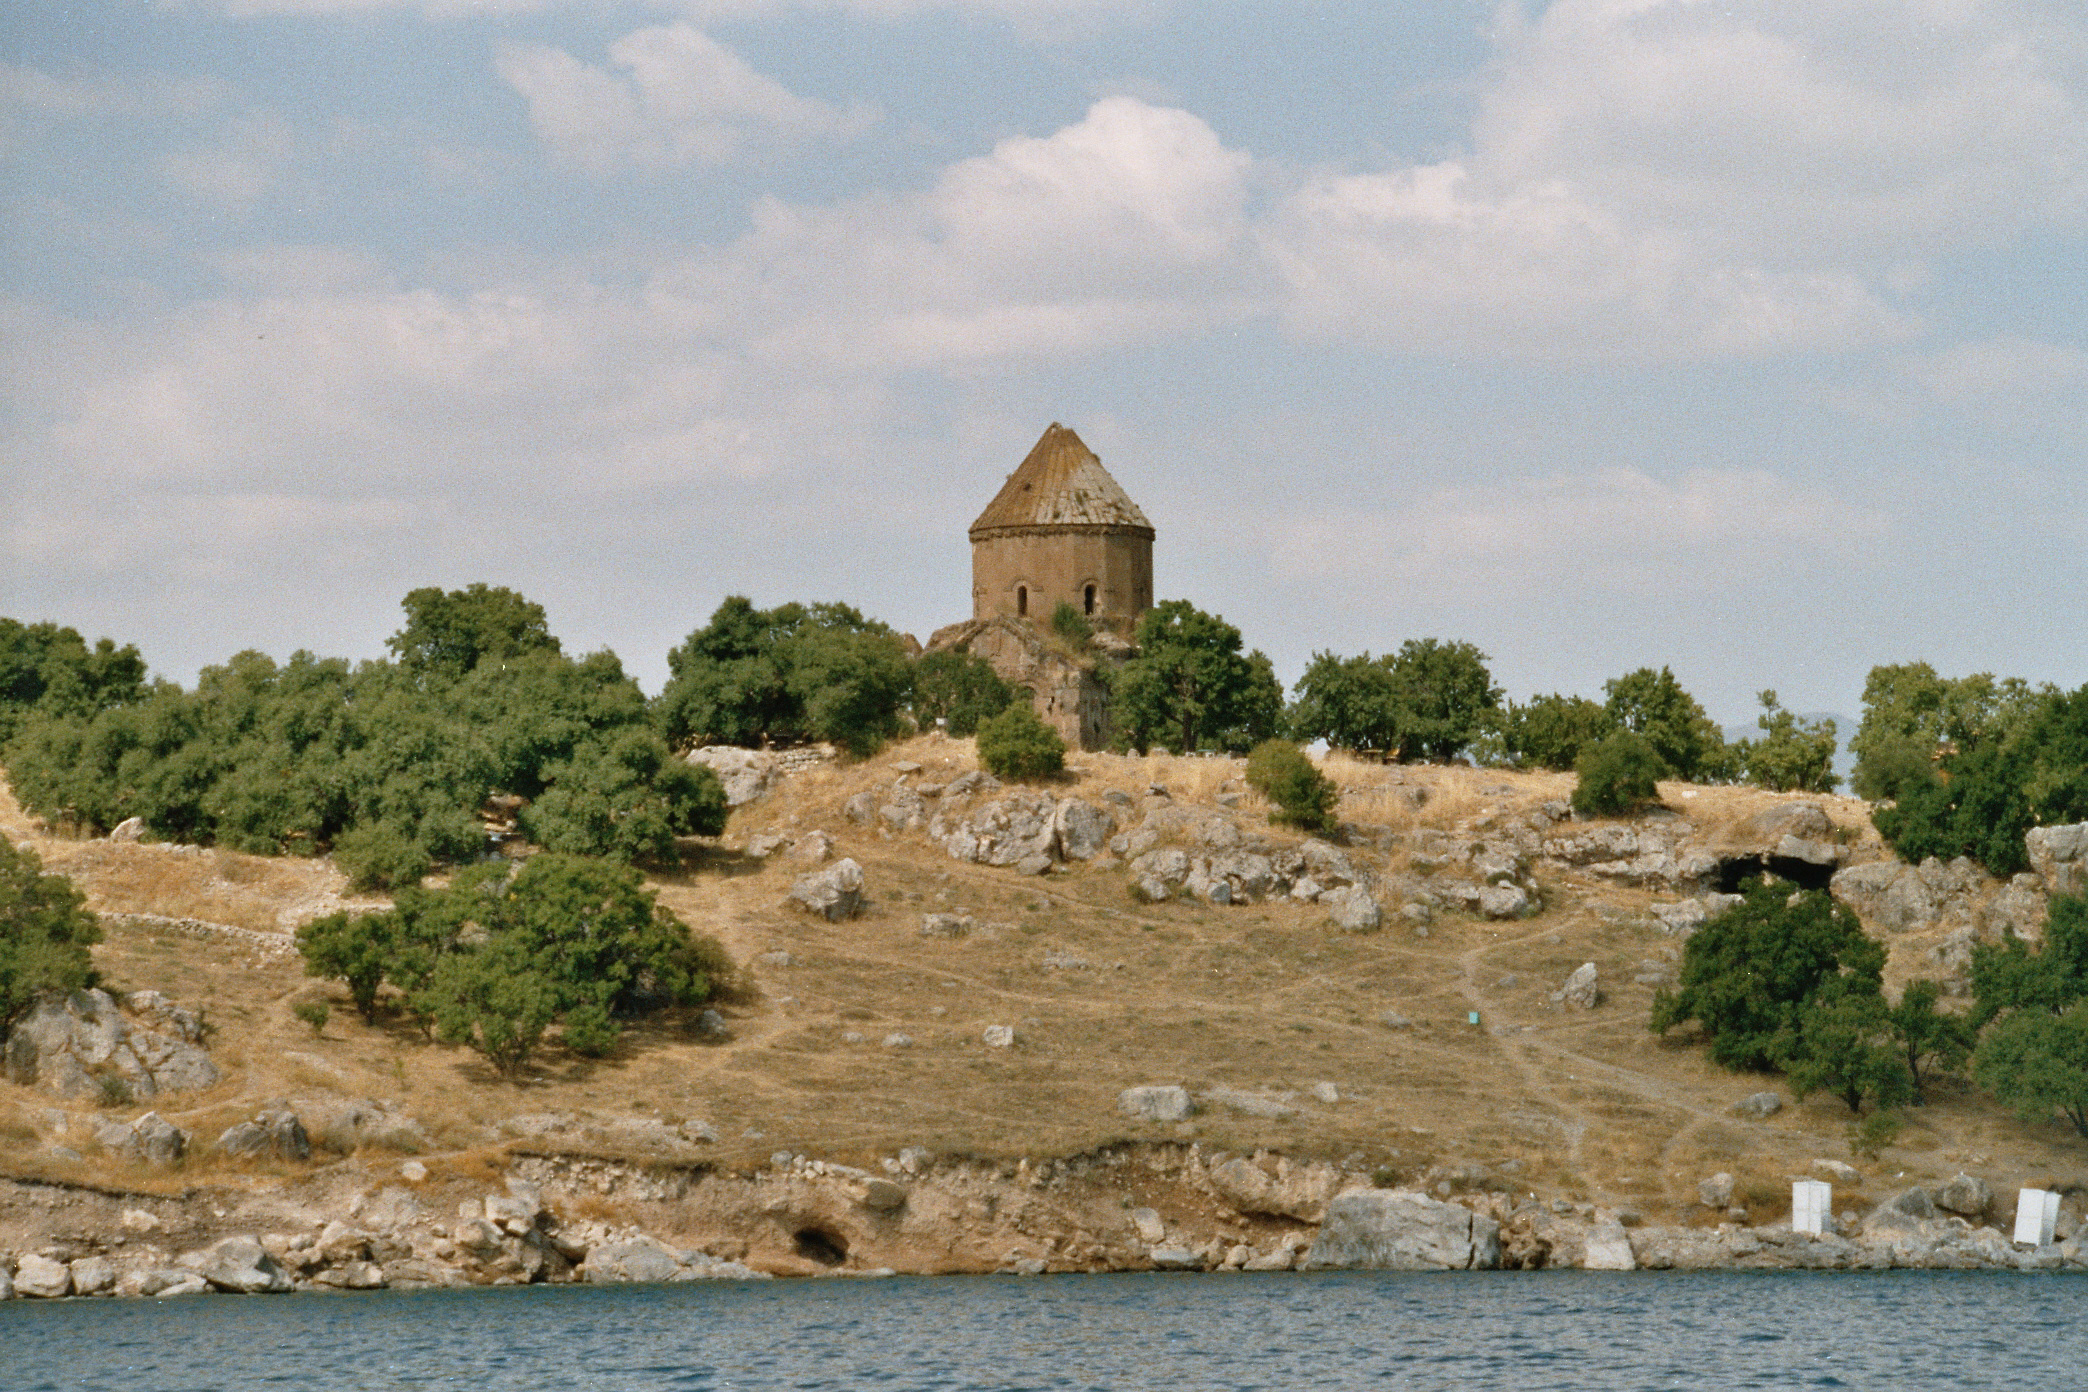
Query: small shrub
{"type": "Point", "coordinates": [313, 1013]}
{"type": "Point", "coordinates": [1617, 775]}
{"type": "Point", "coordinates": [1870, 1135]}
{"type": "Point", "coordinates": [1072, 626]}
{"type": "Point", "coordinates": [1304, 797]}
{"type": "Point", "coordinates": [1016, 744]}
{"type": "Point", "coordinates": [112, 1090]}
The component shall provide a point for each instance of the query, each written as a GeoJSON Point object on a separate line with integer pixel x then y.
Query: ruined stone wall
{"type": "Point", "coordinates": [1068, 697]}
{"type": "Point", "coordinates": [1028, 572]}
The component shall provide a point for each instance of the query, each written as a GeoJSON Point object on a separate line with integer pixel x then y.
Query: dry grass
{"type": "Point", "coordinates": [1263, 997]}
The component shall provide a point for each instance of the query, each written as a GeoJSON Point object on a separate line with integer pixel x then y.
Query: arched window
{"type": "Point", "coordinates": [1022, 601]}
{"type": "Point", "coordinates": [1089, 595]}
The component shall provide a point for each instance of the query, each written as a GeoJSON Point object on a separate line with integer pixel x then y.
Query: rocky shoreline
{"type": "Point", "coordinates": [561, 1218]}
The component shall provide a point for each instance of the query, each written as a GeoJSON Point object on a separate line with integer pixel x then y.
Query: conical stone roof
{"type": "Point", "coordinates": [1061, 485]}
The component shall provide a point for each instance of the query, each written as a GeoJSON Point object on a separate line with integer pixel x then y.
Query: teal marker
{"type": "Point", "coordinates": [1473, 1017]}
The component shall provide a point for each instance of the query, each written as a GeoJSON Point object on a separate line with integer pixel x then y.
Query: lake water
{"type": "Point", "coordinates": [1477, 1332]}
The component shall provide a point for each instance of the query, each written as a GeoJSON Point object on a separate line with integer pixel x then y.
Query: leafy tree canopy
{"type": "Point", "coordinates": [958, 689]}
{"type": "Point", "coordinates": [1190, 687]}
{"type": "Point", "coordinates": [379, 763]}
{"type": "Point", "coordinates": [1911, 715]}
{"type": "Point", "coordinates": [45, 932]}
{"type": "Point", "coordinates": [450, 632]}
{"type": "Point", "coordinates": [500, 955]}
{"type": "Point", "coordinates": [785, 675]}
{"type": "Point", "coordinates": [1304, 797]}
{"type": "Point", "coordinates": [1653, 704]}
{"type": "Point", "coordinates": [1427, 701]}
{"type": "Point", "coordinates": [1793, 755]}
{"type": "Point", "coordinates": [1749, 974]}
{"type": "Point", "coordinates": [1617, 775]}
{"type": "Point", "coordinates": [2037, 1063]}
{"type": "Point", "coordinates": [1552, 731]}
{"type": "Point", "coordinates": [1843, 1044]}
{"type": "Point", "coordinates": [48, 669]}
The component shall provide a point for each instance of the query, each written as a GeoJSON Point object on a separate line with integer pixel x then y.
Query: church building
{"type": "Point", "coordinates": [1062, 531]}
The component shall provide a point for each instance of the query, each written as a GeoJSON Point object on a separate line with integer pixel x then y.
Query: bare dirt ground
{"type": "Point", "coordinates": [1103, 991]}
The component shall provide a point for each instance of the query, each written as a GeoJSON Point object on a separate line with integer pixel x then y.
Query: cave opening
{"type": "Point", "coordinates": [820, 1245]}
{"type": "Point", "coordinates": [1735, 871]}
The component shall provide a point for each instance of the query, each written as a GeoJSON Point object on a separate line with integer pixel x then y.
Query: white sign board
{"type": "Point", "coordinates": [1812, 1200]}
{"type": "Point", "coordinates": [2037, 1214]}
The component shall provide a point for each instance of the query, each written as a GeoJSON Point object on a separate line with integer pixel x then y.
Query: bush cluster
{"type": "Point", "coordinates": [1304, 797]}
{"type": "Point", "coordinates": [1429, 700]}
{"type": "Point", "coordinates": [1018, 745]}
{"type": "Point", "coordinates": [45, 932]}
{"type": "Point", "coordinates": [500, 955]}
{"type": "Point", "coordinates": [1616, 775]}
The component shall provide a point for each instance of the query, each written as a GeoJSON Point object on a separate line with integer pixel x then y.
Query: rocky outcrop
{"type": "Point", "coordinates": [1026, 829]}
{"type": "Point", "coordinates": [1581, 990]}
{"type": "Point", "coordinates": [1274, 1187]}
{"type": "Point", "coordinates": [238, 1265]}
{"type": "Point", "coordinates": [150, 1140]}
{"type": "Point", "coordinates": [1394, 1230]}
{"type": "Point", "coordinates": [68, 1044]}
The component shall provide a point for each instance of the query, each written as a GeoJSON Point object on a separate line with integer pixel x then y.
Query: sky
{"type": "Point", "coordinates": [1745, 338]}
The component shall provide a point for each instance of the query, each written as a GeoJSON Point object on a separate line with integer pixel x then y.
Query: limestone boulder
{"type": "Point", "coordinates": [747, 774]}
{"type": "Point", "coordinates": [1253, 1104]}
{"type": "Point", "coordinates": [1007, 831]}
{"type": "Point", "coordinates": [1083, 829]}
{"type": "Point", "coordinates": [1803, 820]}
{"type": "Point", "coordinates": [2059, 857]}
{"type": "Point", "coordinates": [1608, 1248]}
{"type": "Point", "coordinates": [1158, 1102]}
{"type": "Point", "coordinates": [835, 893]}
{"type": "Point", "coordinates": [42, 1278]}
{"type": "Point", "coordinates": [1759, 1105]}
{"type": "Point", "coordinates": [1582, 989]}
{"type": "Point", "coordinates": [1395, 1230]}
{"type": "Point", "coordinates": [129, 829]}
{"type": "Point", "coordinates": [1352, 908]}
{"type": "Point", "coordinates": [275, 1134]}
{"type": "Point", "coordinates": [641, 1259]}
{"type": "Point", "coordinates": [93, 1276]}
{"type": "Point", "coordinates": [1716, 1192]}
{"type": "Point", "coordinates": [1504, 901]}
{"type": "Point", "coordinates": [240, 1265]}
{"type": "Point", "coordinates": [1966, 1195]}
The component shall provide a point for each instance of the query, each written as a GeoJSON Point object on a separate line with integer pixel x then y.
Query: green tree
{"type": "Point", "coordinates": [45, 931]}
{"type": "Point", "coordinates": [2010, 976]}
{"type": "Point", "coordinates": [1911, 715]}
{"type": "Point", "coordinates": [1844, 1045]}
{"type": "Point", "coordinates": [1190, 687]}
{"type": "Point", "coordinates": [1749, 974]}
{"type": "Point", "coordinates": [351, 948]}
{"type": "Point", "coordinates": [50, 670]}
{"type": "Point", "coordinates": [1653, 704]}
{"type": "Point", "coordinates": [450, 632]}
{"type": "Point", "coordinates": [1303, 796]}
{"type": "Point", "coordinates": [2036, 1063]}
{"type": "Point", "coordinates": [784, 675]}
{"type": "Point", "coordinates": [959, 690]}
{"type": "Point", "coordinates": [1552, 731]}
{"type": "Point", "coordinates": [1930, 1041]}
{"type": "Point", "coordinates": [1617, 775]}
{"type": "Point", "coordinates": [1429, 700]}
{"type": "Point", "coordinates": [625, 796]}
{"type": "Point", "coordinates": [1017, 744]}
{"type": "Point", "coordinates": [1792, 755]}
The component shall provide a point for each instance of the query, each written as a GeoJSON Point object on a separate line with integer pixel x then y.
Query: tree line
{"type": "Point", "coordinates": [389, 764]}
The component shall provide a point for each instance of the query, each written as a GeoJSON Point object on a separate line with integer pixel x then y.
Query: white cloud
{"type": "Point", "coordinates": [234, 171]}
{"type": "Point", "coordinates": [1675, 178]}
{"type": "Point", "coordinates": [1124, 227]}
{"type": "Point", "coordinates": [686, 99]}
{"type": "Point", "coordinates": [1614, 532]}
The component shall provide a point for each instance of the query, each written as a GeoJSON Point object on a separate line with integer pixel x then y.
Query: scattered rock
{"type": "Point", "coordinates": [1759, 1105]}
{"type": "Point", "coordinates": [1716, 1192]}
{"type": "Point", "coordinates": [93, 1276]}
{"type": "Point", "coordinates": [1581, 990]}
{"type": "Point", "coordinates": [1326, 1092]}
{"type": "Point", "coordinates": [813, 848]}
{"type": "Point", "coordinates": [276, 1134]}
{"type": "Point", "coordinates": [239, 1265]}
{"type": "Point", "coordinates": [1083, 829]}
{"type": "Point", "coordinates": [945, 925]}
{"type": "Point", "coordinates": [1150, 1228]}
{"type": "Point", "coordinates": [129, 829]}
{"type": "Point", "coordinates": [1504, 901]}
{"type": "Point", "coordinates": [998, 1036]}
{"type": "Point", "coordinates": [1159, 1102]}
{"type": "Point", "coordinates": [1392, 1019]}
{"type": "Point", "coordinates": [1352, 909]}
{"type": "Point", "coordinates": [1253, 1104]}
{"type": "Point", "coordinates": [835, 893]}
{"type": "Point", "coordinates": [1838, 1172]}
